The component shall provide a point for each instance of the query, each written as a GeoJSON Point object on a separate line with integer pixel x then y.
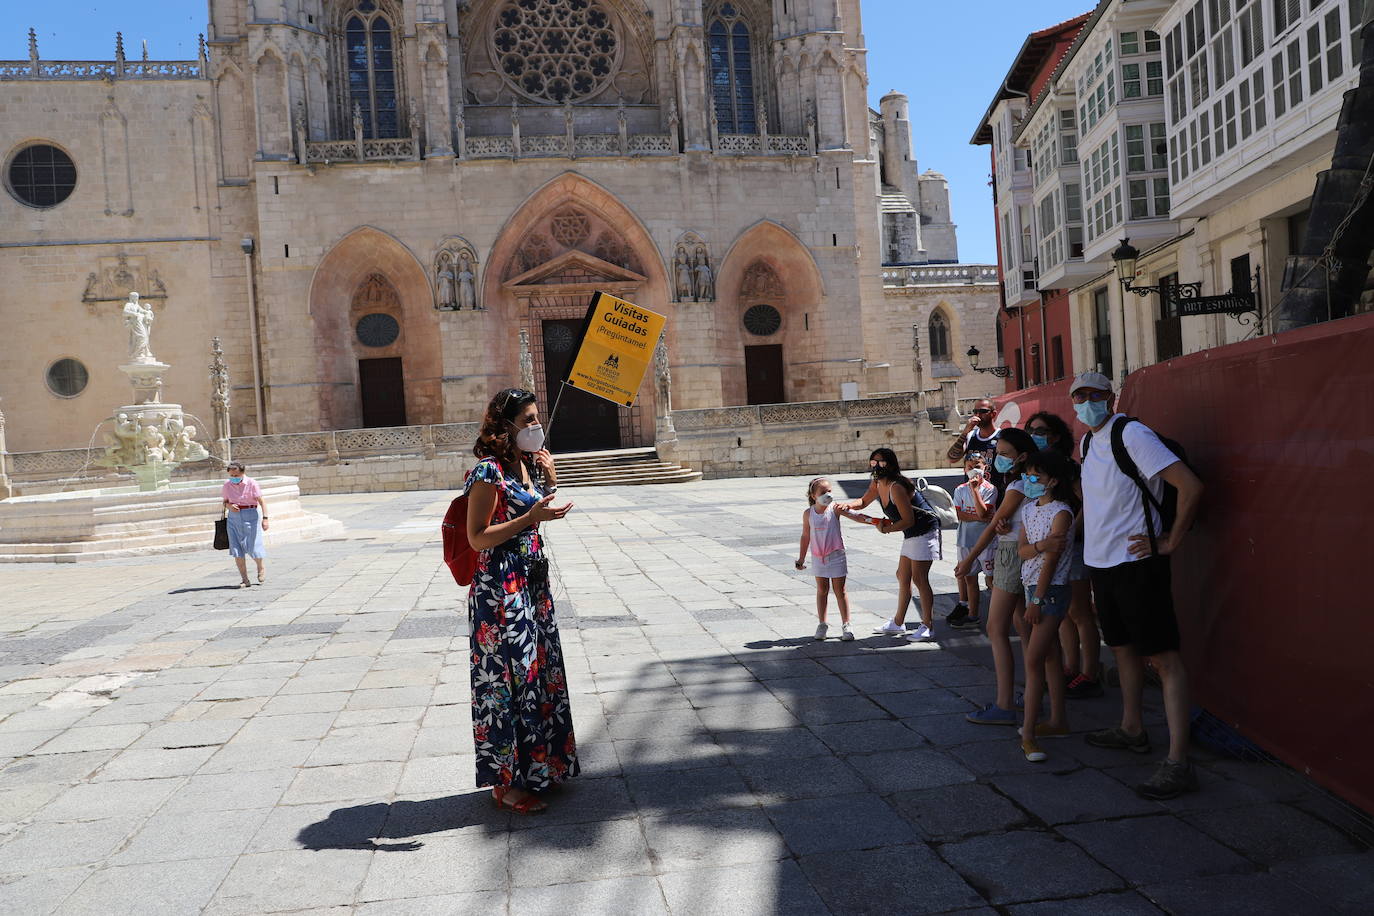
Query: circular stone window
{"type": "Point", "coordinates": [67, 378]}
{"type": "Point", "coordinates": [378, 330]}
{"type": "Point", "coordinates": [762, 320]}
{"type": "Point", "coordinates": [555, 50]}
{"type": "Point", "coordinates": [41, 175]}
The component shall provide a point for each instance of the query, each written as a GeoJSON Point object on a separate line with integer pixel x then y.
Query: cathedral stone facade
{"type": "Point", "coordinates": [389, 209]}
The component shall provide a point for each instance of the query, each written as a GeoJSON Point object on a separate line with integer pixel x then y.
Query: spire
{"type": "Point", "coordinates": [119, 47]}
{"type": "Point", "coordinates": [33, 45]}
{"type": "Point", "coordinates": [145, 49]}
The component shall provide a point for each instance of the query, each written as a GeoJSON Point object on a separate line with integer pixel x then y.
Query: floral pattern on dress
{"type": "Point", "coordinates": [521, 717]}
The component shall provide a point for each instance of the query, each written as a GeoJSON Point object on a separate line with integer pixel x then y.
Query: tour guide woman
{"type": "Point", "coordinates": [521, 718]}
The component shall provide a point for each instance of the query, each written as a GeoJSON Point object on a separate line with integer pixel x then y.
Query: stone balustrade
{"type": "Point", "coordinates": [120, 68]}
{"type": "Point", "coordinates": [939, 275]}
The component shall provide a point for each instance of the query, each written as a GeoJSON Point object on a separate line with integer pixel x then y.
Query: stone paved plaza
{"type": "Point", "coordinates": [171, 744]}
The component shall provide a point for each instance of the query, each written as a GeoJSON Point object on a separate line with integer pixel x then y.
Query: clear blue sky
{"type": "Point", "coordinates": [949, 57]}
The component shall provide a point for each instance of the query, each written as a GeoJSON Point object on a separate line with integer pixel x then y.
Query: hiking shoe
{"type": "Point", "coordinates": [821, 629]}
{"type": "Point", "coordinates": [992, 714]}
{"type": "Point", "coordinates": [846, 634]}
{"type": "Point", "coordinates": [1083, 687]}
{"type": "Point", "coordinates": [1117, 740]}
{"type": "Point", "coordinates": [921, 634]}
{"type": "Point", "coordinates": [957, 616]}
{"type": "Point", "coordinates": [891, 628]}
{"type": "Point", "coordinates": [1170, 780]}
{"type": "Point", "coordinates": [1032, 750]}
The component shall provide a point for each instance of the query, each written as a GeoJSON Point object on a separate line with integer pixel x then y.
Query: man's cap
{"type": "Point", "coordinates": [1091, 380]}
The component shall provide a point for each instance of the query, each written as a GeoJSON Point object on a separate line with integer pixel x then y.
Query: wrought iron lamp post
{"type": "Point", "coordinates": [998, 371]}
{"type": "Point", "coordinates": [1185, 299]}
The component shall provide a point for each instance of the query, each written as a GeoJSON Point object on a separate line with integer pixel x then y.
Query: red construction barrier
{"type": "Point", "coordinates": [1277, 618]}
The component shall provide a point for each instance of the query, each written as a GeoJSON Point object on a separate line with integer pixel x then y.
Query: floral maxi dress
{"type": "Point", "coordinates": [521, 717]}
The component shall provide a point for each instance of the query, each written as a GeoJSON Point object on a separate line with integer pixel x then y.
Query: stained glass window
{"type": "Point", "coordinates": [369, 52]}
{"type": "Point", "coordinates": [732, 72]}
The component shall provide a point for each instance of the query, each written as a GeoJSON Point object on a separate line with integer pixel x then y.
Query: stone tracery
{"type": "Point", "coordinates": [555, 50]}
{"type": "Point", "coordinates": [572, 228]}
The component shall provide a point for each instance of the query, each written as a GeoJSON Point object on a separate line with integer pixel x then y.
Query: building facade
{"type": "Point", "coordinates": [1198, 131]}
{"type": "Point", "coordinates": [389, 209]}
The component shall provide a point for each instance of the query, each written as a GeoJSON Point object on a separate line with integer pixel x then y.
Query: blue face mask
{"type": "Point", "coordinates": [1091, 413]}
{"type": "Point", "coordinates": [236, 480]}
{"type": "Point", "coordinates": [1003, 464]}
{"type": "Point", "coordinates": [1032, 486]}
{"type": "Point", "coordinates": [1041, 442]}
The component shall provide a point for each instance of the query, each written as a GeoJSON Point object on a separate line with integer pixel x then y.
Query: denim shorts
{"type": "Point", "coordinates": [1057, 597]}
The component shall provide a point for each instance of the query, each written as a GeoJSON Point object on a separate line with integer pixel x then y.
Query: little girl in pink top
{"type": "Point", "coordinates": [821, 533]}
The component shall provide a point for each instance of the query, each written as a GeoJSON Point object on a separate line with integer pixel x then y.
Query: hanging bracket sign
{"type": "Point", "coordinates": [618, 341]}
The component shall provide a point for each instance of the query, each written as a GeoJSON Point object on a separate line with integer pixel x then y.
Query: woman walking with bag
{"type": "Point", "coordinates": [246, 514]}
{"type": "Point", "coordinates": [521, 717]}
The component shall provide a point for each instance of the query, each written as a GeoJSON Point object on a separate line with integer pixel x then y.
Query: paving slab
{"type": "Point", "coordinates": [1233, 895]}
{"type": "Point", "coordinates": [1146, 850]}
{"type": "Point", "coordinates": [1027, 865]}
{"type": "Point", "coordinates": [955, 811]}
{"type": "Point", "coordinates": [839, 822]}
{"type": "Point", "coordinates": [909, 879]}
{"type": "Point", "coordinates": [757, 889]}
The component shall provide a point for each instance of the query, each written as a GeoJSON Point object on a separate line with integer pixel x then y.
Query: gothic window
{"type": "Point", "coordinates": [732, 72]}
{"type": "Point", "coordinates": [369, 53]}
{"type": "Point", "coordinates": [556, 50]}
{"type": "Point", "coordinates": [938, 336]}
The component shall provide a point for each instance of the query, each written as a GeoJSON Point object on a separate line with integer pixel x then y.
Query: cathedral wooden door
{"type": "Point", "coordinates": [381, 386]}
{"type": "Point", "coordinates": [585, 422]}
{"type": "Point", "coordinates": [763, 374]}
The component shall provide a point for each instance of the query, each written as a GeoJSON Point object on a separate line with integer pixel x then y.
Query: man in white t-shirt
{"type": "Point", "coordinates": [1127, 552]}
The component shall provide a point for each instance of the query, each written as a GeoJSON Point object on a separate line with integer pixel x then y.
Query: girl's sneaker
{"type": "Point", "coordinates": [1032, 750]}
{"type": "Point", "coordinates": [891, 628]}
{"type": "Point", "coordinates": [992, 714]}
{"type": "Point", "coordinates": [921, 634]}
{"type": "Point", "coordinates": [846, 634]}
{"type": "Point", "coordinates": [821, 629]}
{"type": "Point", "coordinates": [1046, 730]}
{"type": "Point", "coordinates": [957, 616]}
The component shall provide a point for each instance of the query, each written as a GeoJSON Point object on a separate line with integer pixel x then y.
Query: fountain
{"type": "Point", "coordinates": [149, 439]}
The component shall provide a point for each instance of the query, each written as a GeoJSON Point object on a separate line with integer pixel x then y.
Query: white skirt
{"type": "Point", "coordinates": [832, 566]}
{"type": "Point", "coordinates": [923, 546]}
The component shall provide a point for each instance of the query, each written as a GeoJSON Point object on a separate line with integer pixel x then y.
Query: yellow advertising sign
{"type": "Point", "coordinates": [617, 347]}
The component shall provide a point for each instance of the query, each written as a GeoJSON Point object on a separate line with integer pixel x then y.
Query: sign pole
{"type": "Point", "coordinates": [553, 412]}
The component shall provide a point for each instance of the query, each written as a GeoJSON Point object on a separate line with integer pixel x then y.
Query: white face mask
{"type": "Point", "coordinates": [531, 438]}
{"type": "Point", "coordinates": [974, 474]}
{"type": "Point", "coordinates": [824, 499]}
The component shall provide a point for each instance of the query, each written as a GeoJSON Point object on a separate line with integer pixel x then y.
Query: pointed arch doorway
{"type": "Point", "coordinates": [554, 297]}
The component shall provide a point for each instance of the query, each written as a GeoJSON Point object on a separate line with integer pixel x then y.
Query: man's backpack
{"type": "Point", "coordinates": [1166, 507]}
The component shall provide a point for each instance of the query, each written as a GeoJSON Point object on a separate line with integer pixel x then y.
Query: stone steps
{"type": "Point", "coordinates": [121, 522]}
{"type": "Point", "coordinates": [620, 467]}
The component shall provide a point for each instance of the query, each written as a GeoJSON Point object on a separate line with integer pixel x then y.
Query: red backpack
{"type": "Point", "coordinates": [458, 553]}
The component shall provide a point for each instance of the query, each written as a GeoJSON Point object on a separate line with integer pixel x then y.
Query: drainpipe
{"type": "Point", "coordinates": [255, 342]}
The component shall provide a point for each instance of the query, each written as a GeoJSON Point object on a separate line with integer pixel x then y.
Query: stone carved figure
{"type": "Point", "coordinates": [153, 445]}
{"type": "Point", "coordinates": [219, 390]}
{"type": "Point", "coordinates": [663, 377]}
{"type": "Point", "coordinates": [122, 443]}
{"type": "Point", "coordinates": [526, 361]}
{"type": "Point", "coordinates": [446, 299]}
{"type": "Point", "coordinates": [180, 441]}
{"type": "Point", "coordinates": [705, 280]}
{"type": "Point", "coordinates": [138, 319]}
{"type": "Point", "coordinates": [684, 277]}
{"type": "Point", "coordinates": [467, 289]}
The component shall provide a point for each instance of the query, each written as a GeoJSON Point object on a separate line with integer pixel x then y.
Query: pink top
{"type": "Point", "coordinates": [825, 532]}
{"type": "Point", "coordinates": [242, 494]}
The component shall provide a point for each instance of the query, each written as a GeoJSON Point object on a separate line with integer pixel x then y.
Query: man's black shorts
{"type": "Point", "coordinates": [1135, 605]}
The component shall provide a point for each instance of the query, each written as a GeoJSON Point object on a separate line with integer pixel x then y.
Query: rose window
{"type": "Point", "coordinates": [570, 228]}
{"type": "Point", "coordinates": [556, 50]}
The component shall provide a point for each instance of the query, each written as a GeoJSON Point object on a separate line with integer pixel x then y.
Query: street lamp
{"type": "Point", "coordinates": [998, 371]}
{"type": "Point", "coordinates": [1125, 258]}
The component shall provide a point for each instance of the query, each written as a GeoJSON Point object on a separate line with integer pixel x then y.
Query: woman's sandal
{"type": "Point", "coordinates": [245, 584]}
{"type": "Point", "coordinates": [530, 804]}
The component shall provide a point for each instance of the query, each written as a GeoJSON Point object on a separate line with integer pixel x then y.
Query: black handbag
{"type": "Point", "coordinates": [221, 533]}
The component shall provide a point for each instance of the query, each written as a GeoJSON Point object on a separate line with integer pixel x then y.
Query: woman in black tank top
{"type": "Point", "coordinates": [896, 494]}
